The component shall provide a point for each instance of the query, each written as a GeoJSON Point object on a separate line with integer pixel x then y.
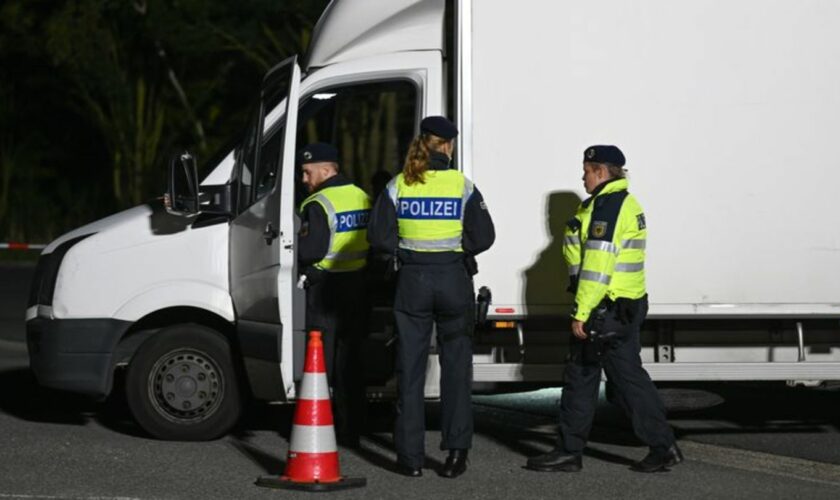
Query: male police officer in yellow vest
{"type": "Point", "coordinates": [604, 247]}
{"type": "Point", "coordinates": [332, 252]}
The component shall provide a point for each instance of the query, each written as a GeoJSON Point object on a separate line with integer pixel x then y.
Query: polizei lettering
{"type": "Point", "coordinates": [352, 221]}
{"type": "Point", "coordinates": [429, 208]}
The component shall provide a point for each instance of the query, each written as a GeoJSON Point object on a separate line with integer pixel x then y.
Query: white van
{"type": "Point", "coordinates": [728, 112]}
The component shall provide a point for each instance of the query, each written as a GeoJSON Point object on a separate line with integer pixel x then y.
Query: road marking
{"type": "Point", "coordinates": [756, 461]}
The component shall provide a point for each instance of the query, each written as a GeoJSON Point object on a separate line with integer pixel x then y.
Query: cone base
{"type": "Point", "coordinates": [287, 484]}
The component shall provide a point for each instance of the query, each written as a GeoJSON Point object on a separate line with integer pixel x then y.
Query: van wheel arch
{"type": "Point", "coordinates": [152, 323]}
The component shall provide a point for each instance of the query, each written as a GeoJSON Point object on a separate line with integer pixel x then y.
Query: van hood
{"type": "Point", "coordinates": [136, 225]}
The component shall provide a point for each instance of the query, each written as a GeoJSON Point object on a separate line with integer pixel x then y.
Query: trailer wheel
{"type": "Point", "coordinates": [181, 384]}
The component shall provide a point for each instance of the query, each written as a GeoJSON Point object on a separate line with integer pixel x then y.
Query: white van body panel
{"type": "Point", "coordinates": [200, 295]}
{"type": "Point", "coordinates": [126, 271]}
{"type": "Point", "coordinates": [356, 29]}
{"type": "Point", "coordinates": [728, 113]}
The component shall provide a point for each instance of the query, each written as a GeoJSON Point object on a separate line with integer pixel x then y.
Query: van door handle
{"type": "Point", "coordinates": [270, 234]}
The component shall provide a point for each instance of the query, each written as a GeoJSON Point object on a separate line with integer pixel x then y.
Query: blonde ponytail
{"type": "Point", "coordinates": [417, 159]}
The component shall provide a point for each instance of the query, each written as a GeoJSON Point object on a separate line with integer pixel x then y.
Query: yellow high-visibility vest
{"type": "Point", "coordinates": [430, 215]}
{"type": "Point", "coordinates": [348, 211]}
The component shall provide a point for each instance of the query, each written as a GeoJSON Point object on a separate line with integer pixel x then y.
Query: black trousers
{"type": "Point", "coordinates": [430, 295]}
{"type": "Point", "coordinates": [337, 305]}
{"type": "Point", "coordinates": [623, 366]}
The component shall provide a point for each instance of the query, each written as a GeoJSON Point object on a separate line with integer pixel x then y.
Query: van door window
{"type": "Point", "coordinates": [267, 174]}
{"type": "Point", "coordinates": [246, 157]}
{"type": "Point", "coordinates": [371, 124]}
{"type": "Point", "coordinates": [257, 166]}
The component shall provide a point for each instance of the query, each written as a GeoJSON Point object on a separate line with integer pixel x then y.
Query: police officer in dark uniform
{"type": "Point", "coordinates": [433, 221]}
{"type": "Point", "coordinates": [604, 247]}
{"type": "Point", "coordinates": [332, 254]}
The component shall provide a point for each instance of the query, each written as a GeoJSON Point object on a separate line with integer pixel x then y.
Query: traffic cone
{"type": "Point", "coordinates": [312, 463]}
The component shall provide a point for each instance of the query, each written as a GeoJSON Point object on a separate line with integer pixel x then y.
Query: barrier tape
{"type": "Point", "coordinates": [22, 246]}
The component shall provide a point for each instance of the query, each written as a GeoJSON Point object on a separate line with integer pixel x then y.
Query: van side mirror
{"type": "Point", "coordinates": [182, 192]}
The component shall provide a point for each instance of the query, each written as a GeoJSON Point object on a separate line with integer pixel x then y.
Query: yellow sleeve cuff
{"type": "Point", "coordinates": [581, 315]}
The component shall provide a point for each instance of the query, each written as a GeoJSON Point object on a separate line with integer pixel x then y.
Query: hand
{"type": "Point", "coordinates": [577, 329]}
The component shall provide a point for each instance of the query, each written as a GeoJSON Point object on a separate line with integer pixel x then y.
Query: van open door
{"type": "Point", "coordinates": [262, 236]}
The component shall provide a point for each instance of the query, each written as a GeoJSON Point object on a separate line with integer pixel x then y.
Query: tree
{"type": "Point", "coordinates": [107, 89]}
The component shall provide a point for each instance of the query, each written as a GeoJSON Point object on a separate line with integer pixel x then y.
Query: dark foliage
{"type": "Point", "coordinates": [95, 95]}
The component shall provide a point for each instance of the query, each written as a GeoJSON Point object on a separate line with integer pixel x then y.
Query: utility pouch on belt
{"type": "Point", "coordinates": [392, 268]}
{"type": "Point", "coordinates": [626, 310]}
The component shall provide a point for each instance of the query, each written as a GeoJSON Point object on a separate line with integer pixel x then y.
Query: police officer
{"type": "Point", "coordinates": [433, 220]}
{"type": "Point", "coordinates": [332, 252]}
{"type": "Point", "coordinates": [604, 247]}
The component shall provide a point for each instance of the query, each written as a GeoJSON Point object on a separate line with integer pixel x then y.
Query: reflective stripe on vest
{"type": "Point", "coordinates": [623, 267]}
{"type": "Point", "coordinates": [348, 211]}
{"type": "Point", "coordinates": [430, 215]}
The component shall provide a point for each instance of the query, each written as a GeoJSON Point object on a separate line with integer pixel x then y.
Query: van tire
{"type": "Point", "coordinates": [181, 384]}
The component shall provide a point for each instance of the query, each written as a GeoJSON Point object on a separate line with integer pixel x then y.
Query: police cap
{"type": "Point", "coordinates": [439, 126]}
{"type": "Point", "coordinates": [604, 154]}
{"type": "Point", "coordinates": [318, 152]}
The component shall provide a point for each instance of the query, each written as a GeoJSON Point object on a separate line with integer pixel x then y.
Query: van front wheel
{"type": "Point", "coordinates": [181, 384]}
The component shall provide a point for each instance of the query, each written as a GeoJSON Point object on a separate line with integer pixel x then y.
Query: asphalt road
{"type": "Point", "coordinates": [741, 441]}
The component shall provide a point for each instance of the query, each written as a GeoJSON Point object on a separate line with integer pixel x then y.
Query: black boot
{"type": "Point", "coordinates": [659, 461]}
{"type": "Point", "coordinates": [555, 460]}
{"type": "Point", "coordinates": [407, 470]}
{"type": "Point", "coordinates": [456, 464]}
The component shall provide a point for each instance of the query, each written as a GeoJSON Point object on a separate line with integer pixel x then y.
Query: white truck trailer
{"type": "Point", "coordinates": [728, 112]}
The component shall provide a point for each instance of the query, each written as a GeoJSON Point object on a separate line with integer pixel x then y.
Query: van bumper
{"type": "Point", "coordinates": [74, 354]}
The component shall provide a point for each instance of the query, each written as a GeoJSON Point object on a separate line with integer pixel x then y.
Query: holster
{"type": "Point", "coordinates": [482, 305]}
{"type": "Point", "coordinates": [597, 340]}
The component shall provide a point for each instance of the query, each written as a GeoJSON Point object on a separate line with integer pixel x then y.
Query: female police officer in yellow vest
{"type": "Point", "coordinates": [431, 217]}
{"type": "Point", "coordinates": [604, 247]}
{"type": "Point", "coordinates": [332, 252]}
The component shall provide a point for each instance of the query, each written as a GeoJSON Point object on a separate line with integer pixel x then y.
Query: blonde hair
{"type": "Point", "coordinates": [615, 171]}
{"type": "Point", "coordinates": [417, 159]}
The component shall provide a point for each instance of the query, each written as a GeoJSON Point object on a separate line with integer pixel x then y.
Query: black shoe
{"type": "Point", "coordinates": [456, 464]}
{"type": "Point", "coordinates": [407, 470]}
{"type": "Point", "coordinates": [659, 462]}
{"type": "Point", "coordinates": [555, 460]}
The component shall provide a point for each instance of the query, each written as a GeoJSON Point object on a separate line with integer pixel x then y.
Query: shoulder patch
{"type": "Point", "coordinates": [599, 228]}
{"type": "Point", "coordinates": [605, 215]}
{"type": "Point", "coordinates": [640, 219]}
{"type": "Point", "coordinates": [483, 205]}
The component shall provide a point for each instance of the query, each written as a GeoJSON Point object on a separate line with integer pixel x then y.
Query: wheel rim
{"type": "Point", "coordinates": [186, 386]}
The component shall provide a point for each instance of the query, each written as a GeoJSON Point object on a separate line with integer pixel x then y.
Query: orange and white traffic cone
{"type": "Point", "coordinates": [312, 463]}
